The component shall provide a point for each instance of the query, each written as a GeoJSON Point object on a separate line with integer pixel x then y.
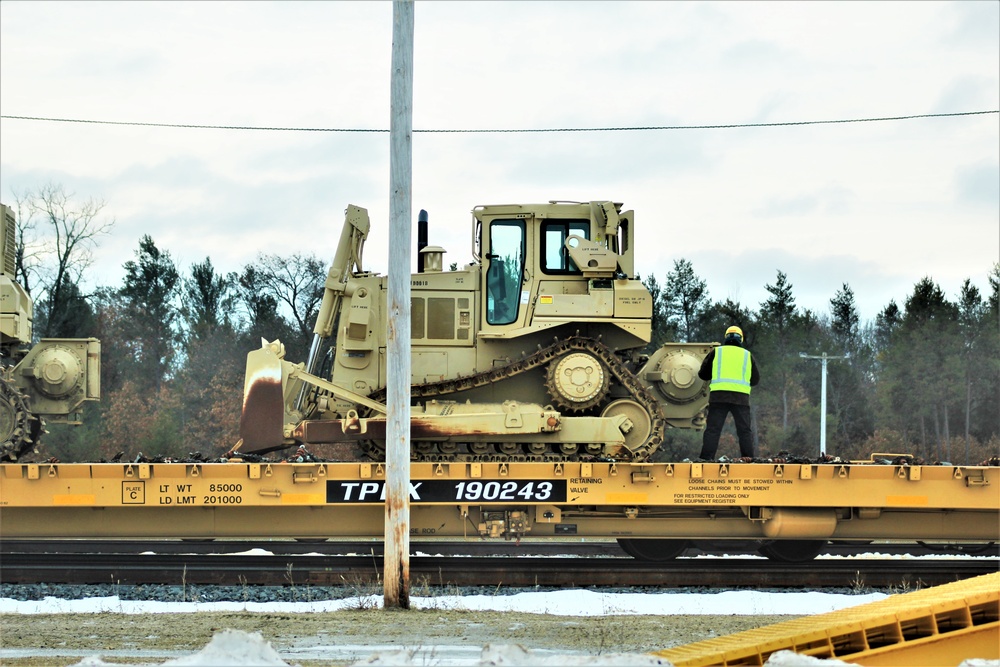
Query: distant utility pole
{"type": "Point", "coordinates": [397, 445]}
{"type": "Point", "coordinates": [822, 414]}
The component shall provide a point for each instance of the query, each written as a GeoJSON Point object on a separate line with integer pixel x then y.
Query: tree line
{"type": "Point", "coordinates": [922, 378]}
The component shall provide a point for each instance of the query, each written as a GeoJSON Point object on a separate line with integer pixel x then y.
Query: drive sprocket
{"type": "Point", "coordinates": [19, 428]}
{"type": "Point", "coordinates": [577, 381]}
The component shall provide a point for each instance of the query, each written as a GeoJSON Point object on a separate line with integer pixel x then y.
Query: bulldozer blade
{"type": "Point", "coordinates": [261, 422]}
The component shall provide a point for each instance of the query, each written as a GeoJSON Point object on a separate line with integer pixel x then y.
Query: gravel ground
{"type": "Point", "coordinates": [155, 637]}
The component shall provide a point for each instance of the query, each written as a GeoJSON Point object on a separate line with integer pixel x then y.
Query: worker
{"type": "Point", "coordinates": [731, 371]}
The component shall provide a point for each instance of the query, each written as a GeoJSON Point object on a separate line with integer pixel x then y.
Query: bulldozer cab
{"type": "Point", "coordinates": [557, 260]}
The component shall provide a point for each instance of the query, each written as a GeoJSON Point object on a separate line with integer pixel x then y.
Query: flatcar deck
{"type": "Point", "coordinates": [504, 500]}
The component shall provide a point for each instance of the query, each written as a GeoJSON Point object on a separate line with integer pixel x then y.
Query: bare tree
{"type": "Point", "coordinates": [297, 283]}
{"type": "Point", "coordinates": [27, 253]}
{"type": "Point", "coordinates": [56, 237]}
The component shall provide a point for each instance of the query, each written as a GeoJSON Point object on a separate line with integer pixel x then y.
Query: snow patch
{"type": "Point", "coordinates": [792, 659]}
{"type": "Point", "coordinates": [228, 647]}
{"type": "Point", "coordinates": [233, 647]}
{"type": "Point", "coordinates": [574, 602]}
{"type": "Point", "coordinates": [256, 551]}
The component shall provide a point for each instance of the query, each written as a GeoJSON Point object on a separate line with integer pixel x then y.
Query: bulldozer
{"type": "Point", "coordinates": [533, 351]}
{"type": "Point", "coordinates": [44, 381]}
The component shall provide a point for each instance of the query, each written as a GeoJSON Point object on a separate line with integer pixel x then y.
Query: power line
{"type": "Point", "coordinates": [639, 128]}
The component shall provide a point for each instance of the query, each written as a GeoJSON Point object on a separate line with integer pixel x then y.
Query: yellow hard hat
{"type": "Point", "coordinates": [735, 330]}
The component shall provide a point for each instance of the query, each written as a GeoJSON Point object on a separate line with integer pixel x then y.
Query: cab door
{"type": "Point", "coordinates": [504, 270]}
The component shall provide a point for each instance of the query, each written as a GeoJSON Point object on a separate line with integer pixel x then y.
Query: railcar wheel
{"type": "Point", "coordinates": [978, 549]}
{"type": "Point", "coordinates": [791, 551]}
{"type": "Point", "coordinates": [656, 551]}
{"type": "Point", "coordinates": [970, 549]}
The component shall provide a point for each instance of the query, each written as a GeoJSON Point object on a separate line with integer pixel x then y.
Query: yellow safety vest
{"type": "Point", "coordinates": [731, 370]}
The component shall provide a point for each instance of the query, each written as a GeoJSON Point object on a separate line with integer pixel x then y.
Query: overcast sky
{"type": "Point", "coordinates": [877, 205]}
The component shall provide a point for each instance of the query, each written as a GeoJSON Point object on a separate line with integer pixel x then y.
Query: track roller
{"type": "Point", "coordinates": [639, 418]}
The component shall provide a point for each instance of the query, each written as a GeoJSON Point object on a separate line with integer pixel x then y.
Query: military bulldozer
{"type": "Point", "coordinates": [531, 352]}
{"type": "Point", "coordinates": [49, 380]}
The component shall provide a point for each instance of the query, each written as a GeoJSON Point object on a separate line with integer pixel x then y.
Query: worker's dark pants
{"type": "Point", "coordinates": [713, 428]}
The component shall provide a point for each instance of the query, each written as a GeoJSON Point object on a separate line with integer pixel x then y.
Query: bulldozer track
{"type": "Point", "coordinates": [19, 427]}
{"type": "Point", "coordinates": [541, 357]}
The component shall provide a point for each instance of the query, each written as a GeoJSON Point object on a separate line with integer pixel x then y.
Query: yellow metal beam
{"type": "Point", "coordinates": [593, 499]}
{"type": "Point", "coordinates": [943, 625]}
{"type": "Point", "coordinates": [869, 488]}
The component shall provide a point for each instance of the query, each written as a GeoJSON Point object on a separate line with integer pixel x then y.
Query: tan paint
{"type": "Point", "coordinates": [576, 280]}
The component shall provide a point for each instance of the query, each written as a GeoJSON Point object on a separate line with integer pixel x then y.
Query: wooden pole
{"type": "Point", "coordinates": [397, 446]}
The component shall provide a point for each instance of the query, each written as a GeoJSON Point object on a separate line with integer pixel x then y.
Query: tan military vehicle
{"type": "Point", "coordinates": [533, 351]}
{"type": "Point", "coordinates": [49, 380]}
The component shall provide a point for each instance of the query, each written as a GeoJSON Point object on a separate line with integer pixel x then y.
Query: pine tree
{"type": "Point", "coordinates": [148, 295]}
{"type": "Point", "coordinates": [971, 315]}
{"type": "Point", "coordinates": [920, 383]}
{"type": "Point", "coordinates": [661, 329]}
{"type": "Point", "coordinates": [850, 380]}
{"type": "Point", "coordinates": [778, 335]}
{"type": "Point", "coordinates": [685, 299]}
{"type": "Point", "coordinates": [208, 301]}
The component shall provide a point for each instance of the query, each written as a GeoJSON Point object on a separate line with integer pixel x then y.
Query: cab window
{"type": "Point", "coordinates": [555, 259]}
{"type": "Point", "coordinates": [503, 277]}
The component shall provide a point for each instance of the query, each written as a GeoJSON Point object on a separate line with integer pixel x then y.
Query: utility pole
{"type": "Point", "coordinates": [822, 414]}
{"type": "Point", "coordinates": [397, 444]}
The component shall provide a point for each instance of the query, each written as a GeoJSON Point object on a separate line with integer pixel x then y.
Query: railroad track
{"type": "Point", "coordinates": [470, 547]}
{"type": "Point", "coordinates": [546, 570]}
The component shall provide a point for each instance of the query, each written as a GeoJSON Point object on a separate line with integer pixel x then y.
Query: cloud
{"type": "Point", "coordinates": [743, 276]}
{"type": "Point", "coordinates": [972, 23]}
{"type": "Point", "coordinates": [833, 199]}
{"type": "Point", "coordinates": [966, 93]}
{"type": "Point", "coordinates": [877, 205]}
{"type": "Point", "coordinates": [979, 185]}
{"type": "Point", "coordinates": [751, 54]}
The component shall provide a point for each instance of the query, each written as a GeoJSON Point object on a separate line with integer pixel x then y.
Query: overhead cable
{"type": "Point", "coordinates": [637, 128]}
